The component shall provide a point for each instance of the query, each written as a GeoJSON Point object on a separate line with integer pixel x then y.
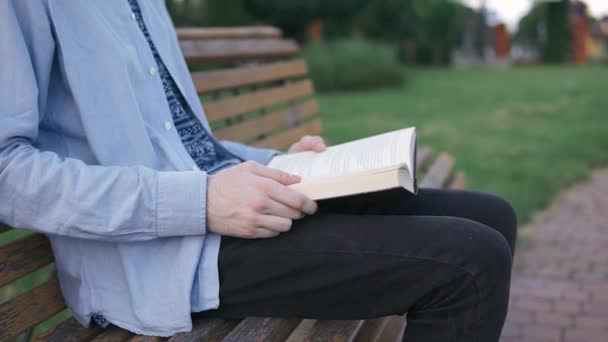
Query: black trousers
{"type": "Point", "coordinates": [444, 257]}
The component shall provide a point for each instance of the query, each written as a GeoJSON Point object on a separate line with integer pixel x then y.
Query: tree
{"type": "Point", "coordinates": [226, 13]}
{"type": "Point", "coordinates": [390, 20]}
{"type": "Point", "coordinates": [558, 33]}
{"type": "Point", "coordinates": [546, 26]}
{"type": "Point", "coordinates": [293, 16]}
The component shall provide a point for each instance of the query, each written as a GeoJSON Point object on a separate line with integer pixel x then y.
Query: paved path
{"type": "Point", "coordinates": [560, 284]}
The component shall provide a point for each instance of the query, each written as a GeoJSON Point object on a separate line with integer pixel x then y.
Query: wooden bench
{"type": "Point", "coordinates": [255, 89]}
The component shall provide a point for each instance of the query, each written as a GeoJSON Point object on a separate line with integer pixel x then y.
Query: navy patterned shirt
{"type": "Point", "coordinates": [205, 151]}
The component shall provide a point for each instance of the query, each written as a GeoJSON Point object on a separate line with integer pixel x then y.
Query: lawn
{"type": "Point", "coordinates": [523, 133]}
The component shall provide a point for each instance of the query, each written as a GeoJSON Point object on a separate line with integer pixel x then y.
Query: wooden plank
{"type": "Point", "coordinates": [246, 103]}
{"type": "Point", "coordinates": [423, 155]}
{"type": "Point", "coordinates": [262, 330]}
{"type": "Point", "coordinates": [393, 332]}
{"type": "Point", "coordinates": [113, 333]}
{"type": "Point", "coordinates": [197, 33]}
{"type": "Point", "coordinates": [206, 81]}
{"type": "Point", "coordinates": [439, 172]}
{"type": "Point", "coordinates": [336, 331]}
{"type": "Point", "coordinates": [459, 182]}
{"type": "Point", "coordinates": [372, 329]}
{"type": "Point", "coordinates": [247, 130]}
{"type": "Point", "coordinates": [284, 139]}
{"type": "Point", "coordinates": [232, 50]}
{"type": "Point", "coordinates": [29, 309]}
{"type": "Point", "coordinates": [24, 256]}
{"type": "Point", "coordinates": [210, 330]}
{"type": "Point", "coordinates": [69, 331]}
{"type": "Point", "coordinates": [4, 228]}
{"type": "Point", "coordinates": [298, 334]}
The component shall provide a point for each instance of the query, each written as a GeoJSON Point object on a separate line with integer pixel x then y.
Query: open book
{"type": "Point", "coordinates": [380, 162]}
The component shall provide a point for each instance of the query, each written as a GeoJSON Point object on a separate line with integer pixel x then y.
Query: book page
{"type": "Point", "coordinates": [366, 155]}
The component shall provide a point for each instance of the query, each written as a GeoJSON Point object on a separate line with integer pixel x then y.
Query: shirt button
{"type": "Point", "coordinates": [195, 168]}
{"type": "Point", "coordinates": [152, 71]}
{"type": "Point", "coordinates": [168, 125]}
{"type": "Point", "coordinates": [133, 16]}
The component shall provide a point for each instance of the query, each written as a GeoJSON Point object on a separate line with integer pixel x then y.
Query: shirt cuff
{"type": "Point", "coordinates": [180, 206]}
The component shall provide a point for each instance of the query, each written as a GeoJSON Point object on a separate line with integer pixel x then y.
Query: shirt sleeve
{"type": "Point", "coordinates": [260, 155]}
{"type": "Point", "coordinates": [43, 192]}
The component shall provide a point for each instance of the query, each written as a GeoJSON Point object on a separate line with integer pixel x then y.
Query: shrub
{"type": "Point", "coordinates": [353, 65]}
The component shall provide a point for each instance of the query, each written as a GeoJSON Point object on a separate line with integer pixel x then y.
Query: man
{"type": "Point", "coordinates": [105, 148]}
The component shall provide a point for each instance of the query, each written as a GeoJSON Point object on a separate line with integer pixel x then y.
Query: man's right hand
{"type": "Point", "coordinates": [252, 201]}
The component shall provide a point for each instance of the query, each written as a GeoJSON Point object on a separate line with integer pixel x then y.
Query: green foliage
{"type": "Point", "coordinates": [435, 26]}
{"type": "Point", "coordinates": [525, 134]}
{"type": "Point", "coordinates": [558, 34]}
{"type": "Point", "coordinates": [390, 20]}
{"type": "Point", "coordinates": [209, 12]}
{"type": "Point", "coordinates": [546, 26]}
{"type": "Point", "coordinates": [226, 13]}
{"type": "Point", "coordinates": [528, 28]}
{"type": "Point", "coordinates": [294, 15]}
{"type": "Point", "coordinates": [353, 65]}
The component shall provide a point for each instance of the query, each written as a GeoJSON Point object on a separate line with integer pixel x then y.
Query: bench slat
{"type": "Point", "coordinates": [210, 330]}
{"type": "Point", "coordinates": [337, 331]}
{"type": "Point", "coordinates": [262, 330]}
{"type": "Point", "coordinates": [372, 329]}
{"type": "Point", "coordinates": [393, 332]}
{"type": "Point", "coordinates": [246, 103]}
{"type": "Point", "coordinates": [459, 182]}
{"type": "Point", "coordinates": [284, 139]}
{"type": "Point", "coordinates": [247, 130]}
{"type": "Point", "coordinates": [197, 33]}
{"type": "Point", "coordinates": [113, 334]}
{"type": "Point", "coordinates": [423, 156]}
{"type": "Point", "coordinates": [232, 50]}
{"type": "Point", "coordinates": [24, 256]}
{"type": "Point", "coordinates": [69, 331]}
{"type": "Point", "coordinates": [30, 309]}
{"type": "Point", "coordinates": [206, 81]}
{"type": "Point", "coordinates": [439, 172]}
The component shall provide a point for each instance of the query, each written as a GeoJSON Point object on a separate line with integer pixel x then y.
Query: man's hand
{"type": "Point", "coordinates": [308, 143]}
{"type": "Point", "coordinates": [253, 201]}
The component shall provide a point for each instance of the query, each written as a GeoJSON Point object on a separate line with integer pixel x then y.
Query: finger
{"type": "Point", "coordinates": [279, 209]}
{"type": "Point", "coordinates": [263, 233]}
{"type": "Point", "coordinates": [275, 223]}
{"type": "Point", "coordinates": [312, 143]}
{"type": "Point", "coordinates": [291, 198]}
{"type": "Point", "coordinates": [276, 175]}
{"type": "Point", "coordinates": [320, 146]}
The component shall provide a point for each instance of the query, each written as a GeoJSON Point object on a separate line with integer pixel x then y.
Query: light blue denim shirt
{"type": "Point", "coordinates": [87, 157]}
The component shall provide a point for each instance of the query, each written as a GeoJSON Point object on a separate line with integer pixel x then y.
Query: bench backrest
{"type": "Point", "coordinates": [260, 94]}
{"type": "Point", "coordinates": [254, 89]}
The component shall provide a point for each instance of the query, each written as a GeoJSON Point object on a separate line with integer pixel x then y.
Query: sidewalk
{"type": "Point", "coordinates": [560, 283]}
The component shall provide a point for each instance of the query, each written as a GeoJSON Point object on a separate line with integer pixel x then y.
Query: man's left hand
{"type": "Point", "coordinates": [308, 143]}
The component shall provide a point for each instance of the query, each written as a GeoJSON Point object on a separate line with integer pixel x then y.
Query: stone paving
{"type": "Point", "coordinates": [559, 289]}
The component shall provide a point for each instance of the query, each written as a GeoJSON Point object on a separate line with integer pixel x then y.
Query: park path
{"type": "Point", "coordinates": [559, 288]}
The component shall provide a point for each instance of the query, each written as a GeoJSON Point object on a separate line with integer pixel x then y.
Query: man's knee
{"type": "Point", "coordinates": [489, 253]}
{"type": "Point", "coordinates": [499, 214]}
{"type": "Point", "coordinates": [503, 209]}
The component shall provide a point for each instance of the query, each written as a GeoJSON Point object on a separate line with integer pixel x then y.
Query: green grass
{"type": "Point", "coordinates": [523, 133]}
